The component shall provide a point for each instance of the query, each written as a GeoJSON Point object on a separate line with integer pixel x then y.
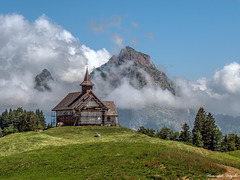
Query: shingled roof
{"type": "Point", "coordinates": [67, 101]}
{"type": "Point", "coordinates": [112, 108]}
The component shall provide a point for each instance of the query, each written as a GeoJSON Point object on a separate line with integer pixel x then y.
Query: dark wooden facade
{"type": "Point", "coordinates": [84, 108]}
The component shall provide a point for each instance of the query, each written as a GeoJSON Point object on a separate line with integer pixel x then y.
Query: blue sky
{"type": "Point", "coordinates": [192, 39]}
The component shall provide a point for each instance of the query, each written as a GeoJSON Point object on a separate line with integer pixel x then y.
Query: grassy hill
{"type": "Point", "coordinates": [74, 153]}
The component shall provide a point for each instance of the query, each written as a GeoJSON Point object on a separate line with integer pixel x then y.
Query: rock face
{"type": "Point", "coordinates": [134, 66]}
{"type": "Point", "coordinates": [42, 80]}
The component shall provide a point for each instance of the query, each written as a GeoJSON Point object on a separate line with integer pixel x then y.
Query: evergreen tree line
{"type": "Point", "coordinates": [205, 134]}
{"type": "Point", "coordinates": [20, 120]}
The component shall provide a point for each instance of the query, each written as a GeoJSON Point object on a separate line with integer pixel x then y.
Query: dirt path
{"type": "Point", "coordinates": [232, 173]}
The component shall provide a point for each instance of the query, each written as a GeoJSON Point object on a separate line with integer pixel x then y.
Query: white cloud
{"type": "Point", "coordinates": [151, 36]}
{"type": "Point", "coordinates": [127, 97]}
{"type": "Point", "coordinates": [229, 78]}
{"type": "Point", "coordinates": [100, 55]}
{"type": "Point", "coordinates": [104, 25]}
{"type": "Point", "coordinates": [217, 95]}
{"type": "Point", "coordinates": [134, 41]}
{"type": "Point", "coordinates": [135, 25]}
{"type": "Point", "coordinates": [27, 48]}
{"type": "Point", "coordinates": [118, 40]}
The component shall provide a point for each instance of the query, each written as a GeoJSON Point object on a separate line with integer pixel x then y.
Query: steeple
{"type": "Point", "coordinates": [86, 84]}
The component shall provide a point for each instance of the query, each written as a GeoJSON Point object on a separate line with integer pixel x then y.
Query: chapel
{"type": "Point", "coordinates": [85, 109]}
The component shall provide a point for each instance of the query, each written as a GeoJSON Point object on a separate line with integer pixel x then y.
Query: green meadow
{"type": "Point", "coordinates": [120, 153]}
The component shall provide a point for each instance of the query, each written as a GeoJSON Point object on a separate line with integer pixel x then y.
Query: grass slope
{"type": "Point", "coordinates": [73, 153]}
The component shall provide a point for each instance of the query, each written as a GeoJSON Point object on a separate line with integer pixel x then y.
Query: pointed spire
{"type": "Point", "coordinates": [86, 84]}
{"type": "Point", "coordinates": [87, 78]}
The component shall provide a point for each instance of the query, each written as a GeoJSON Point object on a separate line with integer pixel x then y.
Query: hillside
{"type": "Point", "coordinates": [74, 152]}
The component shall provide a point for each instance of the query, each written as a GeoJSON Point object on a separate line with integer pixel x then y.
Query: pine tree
{"type": "Point", "coordinates": [22, 122]}
{"type": "Point", "coordinates": [48, 126]}
{"type": "Point", "coordinates": [40, 118]}
{"type": "Point", "coordinates": [208, 132]}
{"type": "Point", "coordinates": [174, 136]}
{"type": "Point", "coordinates": [237, 142]}
{"type": "Point", "coordinates": [217, 139]}
{"type": "Point", "coordinates": [163, 133]}
{"type": "Point", "coordinates": [224, 145]}
{"type": "Point", "coordinates": [1, 122]}
{"type": "Point", "coordinates": [12, 118]}
{"type": "Point", "coordinates": [185, 134]}
{"type": "Point", "coordinates": [141, 130]}
{"type": "Point", "coordinates": [32, 121]}
{"type": "Point", "coordinates": [231, 146]}
{"type": "Point", "coordinates": [9, 130]}
{"type": "Point", "coordinates": [19, 110]}
{"type": "Point", "coordinates": [198, 128]}
{"type": "Point", "coordinates": [198, 139]}
{"type": "Point", "coordinates": [5, 117]}
{"type": "Point", "coordinates": [150, 132]}
{"type": "Point", "coordinates": [1, 132]}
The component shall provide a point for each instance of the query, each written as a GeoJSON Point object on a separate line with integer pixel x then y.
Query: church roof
{"type": "Point", "coordinates": [112, 108]}
{"type": "Point", "coordinates": [87, 81]}
{"type": "Point", "coordinates": [81, 102]}
{"type": "Point", "coordinates": [65, 104]}
{"type": "Point", "coordinates": [77, 99]}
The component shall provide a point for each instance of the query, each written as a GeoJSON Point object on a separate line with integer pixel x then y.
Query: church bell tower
{"type": "Point", "coordinates": [87, 85]}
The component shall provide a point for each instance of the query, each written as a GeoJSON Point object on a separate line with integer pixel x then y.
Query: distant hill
{"type": "Point", "coordinates": [228, 124]}
{"type": "Point", "coordinates": [121, 153]}
{"type": "Point", "coordinates": [156, 117]}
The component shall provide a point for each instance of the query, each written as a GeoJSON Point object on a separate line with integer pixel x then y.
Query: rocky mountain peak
{"type": "Point", "coordinates": [135, 66]}
{"type": "Point", "coordinates": [139, 58]}
{"type": "Point", "coordinates": [129, 54]}
{"type": "Point", "coordinates": [42, 80]}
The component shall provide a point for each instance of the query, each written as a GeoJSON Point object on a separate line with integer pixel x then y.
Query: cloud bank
{"type": "Point", "coordinates": [220, 94]}
{"type": "Point", "coordinates": [27, 48]}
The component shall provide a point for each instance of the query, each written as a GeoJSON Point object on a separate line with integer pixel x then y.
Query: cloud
{"type": "Point", "coordinates": [151, 36]}
{"type": "Point", "coordinates": [127, 97]}
{"type": "Point", "coordinates": [118, 41]}
{"type": "Point", "coordinates": [219, 94]}
{"type": "Point", "coordinates": [135, 25]}
{"type": "Point", "coordinates": [134, 41]}
{"type": "Point", "coordinates": [104, 25]}
{"type": "Point", "coordinates": [28, 48]}
{"type": "Point", "coordinates": [229, 78]}
{"type": "Point", "coordinates": [161, 68]}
